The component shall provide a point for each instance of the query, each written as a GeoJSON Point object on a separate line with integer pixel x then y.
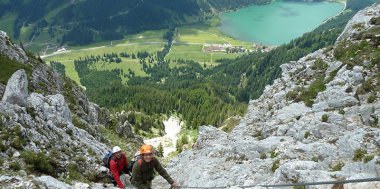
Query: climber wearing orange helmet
{"type": "Point", "coordinates": [143, 170]}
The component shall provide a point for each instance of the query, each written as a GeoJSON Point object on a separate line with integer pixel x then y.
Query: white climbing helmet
{"type": "Point", "coordinates": [116, 149]}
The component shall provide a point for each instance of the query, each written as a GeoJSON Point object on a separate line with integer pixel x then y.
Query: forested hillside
{"type": "Point", "coordinates": [83, 22]}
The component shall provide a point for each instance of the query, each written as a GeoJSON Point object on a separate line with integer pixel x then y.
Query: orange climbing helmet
{"type": "Point", "coordinates": [145, 149]}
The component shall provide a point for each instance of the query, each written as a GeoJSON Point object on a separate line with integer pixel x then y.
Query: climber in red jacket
{"type": "Point", "coordinates": [118, 166]}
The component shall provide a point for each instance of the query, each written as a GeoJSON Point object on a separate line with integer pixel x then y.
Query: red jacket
{"type": "Point", "coordinates": [117, 166]}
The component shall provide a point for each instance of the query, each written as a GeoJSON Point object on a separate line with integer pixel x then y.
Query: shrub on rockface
{"type": "Point", "coordinates": [359, 154]}
{"type": "Point", "coordinates": [361, 51]}
{"type": "Point", "coordinates": [310, 93]}
{"type": "Point", "coordinates": [8, 67]}
{"type": "Point", "coordinates": [320, 65]}
{"type": "Point", "coordinates": [275, 165]}
{"type": "Point", "coordinates": [338, 166]}
{"type": "Point", "coordinates": [40, 163]}
{"type": "Point", "coordinates": [325, 117]}
{"type": "Point", "coordinates": [14, 135]}
{"type": "Point", "coordinates": [307, 95]}
{"type": "Point", "coordinates": [74, 173]}
{"type": "Point", "coordinates": [15, 166]}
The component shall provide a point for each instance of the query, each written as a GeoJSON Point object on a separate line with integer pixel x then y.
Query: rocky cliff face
{"type": "Point", "coordinates": [11, 50]}
{"type": "Point", "coordinates": [318, 122]}
{"type": "Point", "coordinates": [48, 127]}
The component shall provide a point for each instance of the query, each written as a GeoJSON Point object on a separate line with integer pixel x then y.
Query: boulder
{"type": "Point", "coordinates": [16, 91]}
{"type": "Point", "coordinates": [292, 111]}
{"type": "Point", "coordinates": [93, 113]}
{"type": "Point", "coordinates": [334, 98]}
{"type": "Point", "coordinates": [52, 107]}
{"type": "Point", "coordinates": [50, 182]}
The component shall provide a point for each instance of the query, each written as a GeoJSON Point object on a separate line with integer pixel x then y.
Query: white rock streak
{"type": "Point", "coordinates": [169, 140]}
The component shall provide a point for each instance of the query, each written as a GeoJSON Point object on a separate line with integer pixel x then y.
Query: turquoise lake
{"type": "Point", "coordinates": [278, 22]}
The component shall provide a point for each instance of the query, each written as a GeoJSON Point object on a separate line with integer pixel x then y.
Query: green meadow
{"type": "Point", "coordinates": [191, 39]}
{"type": "Point", "coordinates": [125, 65]}
{"type": "Point", "coordinates": [68, 57]}
{"type": "Point", "coordinates": [188, 45]}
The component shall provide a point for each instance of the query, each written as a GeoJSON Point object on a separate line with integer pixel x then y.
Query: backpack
{"type": "Point", "coordinates": [133, 161]}
{"type": "Point", "coordinates": [106, 159]}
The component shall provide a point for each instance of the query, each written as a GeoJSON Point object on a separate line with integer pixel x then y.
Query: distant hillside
{"type": "Point", "coordinates": [82, 22]}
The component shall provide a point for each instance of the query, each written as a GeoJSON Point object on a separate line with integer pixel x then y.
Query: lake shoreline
{"type": "Point", "coordinates": [341, 12]}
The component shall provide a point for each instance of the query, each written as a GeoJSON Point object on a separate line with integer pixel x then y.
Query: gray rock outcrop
{"type": "Point", "coordinates": [360, 22]}
{"type": "Point", "coordinates": [52, 107]}
{"type": "Point", "coordinates": [16, 91]}
{"type": "Point", "coordinates": [11, 50]}
{"type": "Point", "coordinates": [38, 123]}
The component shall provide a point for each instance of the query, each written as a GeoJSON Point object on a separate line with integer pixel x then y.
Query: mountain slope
{"type": "Point", "coordinates": [318, 122]}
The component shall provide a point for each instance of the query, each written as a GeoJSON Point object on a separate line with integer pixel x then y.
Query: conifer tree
{"type": "Point", "coordinates": [160, 150]}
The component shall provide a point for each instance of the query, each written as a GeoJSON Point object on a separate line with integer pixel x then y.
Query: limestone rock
{"type": "Point", "coordinates": [51, 107]}
{"type": "Point", "coordinates": [44, 79]}
{"type": "Point", "coordinates": [93, 113]}
{"type": "Point", "coordinates": [16, 91]}
{"type": "Point", "coordinates": [2, 90]}
{"type": "Point", "coordinates": [12, 51]}
{"type": "Point", "coordinates": [359, 22]}
{"type": "Point", "coordinates": [292, 111]}
{"type": "Point", "coordinates": [50, 182]}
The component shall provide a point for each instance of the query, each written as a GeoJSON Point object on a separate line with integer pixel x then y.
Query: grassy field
{"type": "Point", "coordinates": [128, 48]}
{"type": "Point", "coordinates": [125, 65]}
{"type": "Point", "coordinates": [208, 33]}
{"type": "Point", "coordinates": [146, 41]}
{"type": "Point", "coordinates": [191, 39]}
{"type": "Point", "coordinates": [188, 45]}
{"type": "Point", "coordinates": [72, 54]}
{"type": "Point", "coordinates": [194, 52]}
{"type": "Point", "coordinates": [70, 70]}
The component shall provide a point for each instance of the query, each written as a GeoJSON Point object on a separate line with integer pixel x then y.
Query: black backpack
{"type": "Point", "coordinates": [106, 159]}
